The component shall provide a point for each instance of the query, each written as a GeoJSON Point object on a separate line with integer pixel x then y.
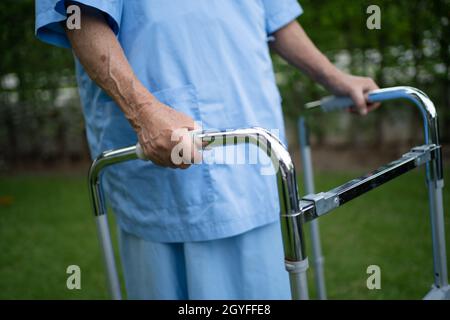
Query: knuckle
{"type": "Point", "coordinates": [355, 91]}
{"type": "Point", "coordinates": [159, 144]}
{"type": "Point", "coordinates": [371, 82]}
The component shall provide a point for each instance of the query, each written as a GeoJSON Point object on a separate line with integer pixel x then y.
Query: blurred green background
{"type": "Point", "coordinates": [45, 218]}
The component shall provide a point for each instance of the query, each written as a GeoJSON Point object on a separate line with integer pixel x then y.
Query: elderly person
{"type": "Point", "coordinates": [147, 68]}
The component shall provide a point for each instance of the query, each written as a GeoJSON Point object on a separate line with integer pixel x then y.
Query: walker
{"type": "Point", "coordinates": [296, 211]}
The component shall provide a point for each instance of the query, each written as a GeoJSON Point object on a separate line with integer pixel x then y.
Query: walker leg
{"type": "Point", "coordinates": [298, 279]}
{"type": "Point", "coordinates": [108, 256]}
{"type": "Point", "coordinates": [435, 183]}
{"type": "Point", "coordinates": [318, 261]}
{"type": "Point", "coordinates": [299, 286]}
{"type": "Point", "coordinates": [308, 179]}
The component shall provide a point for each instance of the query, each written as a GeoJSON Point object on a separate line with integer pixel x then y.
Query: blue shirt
{"type": "Point", "coordinates": [209, 59]}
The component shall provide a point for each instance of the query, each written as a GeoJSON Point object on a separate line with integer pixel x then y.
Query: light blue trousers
{"type": "Point", "coordinates": [246, 266]}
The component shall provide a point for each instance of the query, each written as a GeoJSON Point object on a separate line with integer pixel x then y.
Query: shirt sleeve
{"type": "Point", "coordinates": [50, 14]}
{"type": "Point", "coordinates": [279, 13]}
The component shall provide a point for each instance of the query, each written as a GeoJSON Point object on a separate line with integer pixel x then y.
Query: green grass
{"type": "Point", "coordinates": [49, 226]}
{"type": "Point", "coordinates": [388, 227]}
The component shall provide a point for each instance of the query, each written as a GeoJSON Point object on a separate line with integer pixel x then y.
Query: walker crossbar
{"type": "Point", "coordinates": [293, 211]}
{"type": "Point", "coordinates": [325, 202]}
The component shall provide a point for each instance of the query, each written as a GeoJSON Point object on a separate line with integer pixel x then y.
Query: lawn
{"type": "Point", "coordinates": [46, 225]}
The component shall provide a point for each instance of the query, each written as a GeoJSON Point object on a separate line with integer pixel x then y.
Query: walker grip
{"type": "Point", "coordinates": [140, 152]}
{"type": "Point", "coordinates": [194, 134]}
{"type": "Point", "coordinates": [334, 103]}
{"type": "Point", "coordinates": [337, 103]}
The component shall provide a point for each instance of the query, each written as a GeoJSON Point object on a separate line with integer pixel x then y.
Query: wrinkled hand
{"type": "Point", "coordinates": [163, 134]}
{"type": "Point", "coordinates": [356, 88]}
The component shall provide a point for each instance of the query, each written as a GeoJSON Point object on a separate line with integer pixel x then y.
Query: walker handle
{"type": "Point", "coordinates": [140, 152]}
{"type": "Point", "coordinates": [333, 103]}
{"type": "Point", "coordinates": [336, 103]}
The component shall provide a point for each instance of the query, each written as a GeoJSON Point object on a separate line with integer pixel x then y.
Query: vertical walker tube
{"type": "Point", "coordinates": [308, 180]}
{"type": "Point", "coordinates": [99, 208]}
{"type": "Point", "coordinates": [435, 179]}
{"type": "Point", "coordinates": [291, 219]}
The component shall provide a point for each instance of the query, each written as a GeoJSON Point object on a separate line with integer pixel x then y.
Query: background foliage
{"type": "Point", "coordinates": [411, 48]}
{"type": "Point", "coordinates": [40, 116]}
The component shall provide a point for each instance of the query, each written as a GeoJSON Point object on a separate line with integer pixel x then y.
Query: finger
{"type": "Point", "coordinates": [196, 144]}
{"type": "Point", "coordinates": [196, 156]}
{"type": "Point", "coordinates": [373, 106]}
{"type": "Point", "coordinates": [189, 150]}
{"type": "Point", "coordinates": [360, 102]}
{"type": "Point", "coordinates": [190, 124]}
{"type": "Point", "coordinates": [197, 126]}
{"type": "Point", "coordinates": [177, 144]}
{"type": "Point", "coordinates": [199, 143]}
{"type": "Point", "coordinates": [184, 151]}
{"type": "Point", "coordinates": [371, 85]}
{"type": "Point", "coordinates": [156, 157]}
{"type": "Point", "coordinates": [184, 166]}
{"type": "Point", "coordinates": [166, 163]}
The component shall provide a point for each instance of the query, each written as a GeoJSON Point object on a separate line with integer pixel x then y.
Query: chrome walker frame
{"type": "Point", "coordinates": [296, 211]}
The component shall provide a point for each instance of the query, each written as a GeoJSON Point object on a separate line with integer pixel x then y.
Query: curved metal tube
{"type": "Point", "coordinates": [106, 159]}
{"type": "Point", "coordinates": [429, 115]}
{"type": "Point", "coordinates": [434, 172]}
{"type": "Point", "coordinates": [434, 168]}
{"type": "Point", "coordinates": [290, 216]}
{"type": "Point", "coordinates": [420, 100]}
{"type": "Point", "coordinates": [288, 196]}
